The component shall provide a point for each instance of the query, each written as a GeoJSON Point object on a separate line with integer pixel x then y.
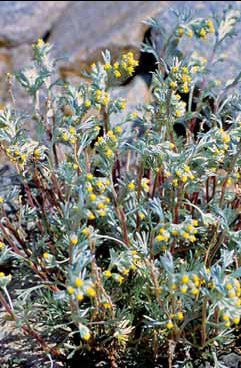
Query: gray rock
{"type": "Point", "coordinates": [136, 93]}
{"type": "Point", "coordinates": [89, 27]}
{"type": "Point", "coordinates": [25, 21]}
{"type": "Point", "coordinates": [231, 360]}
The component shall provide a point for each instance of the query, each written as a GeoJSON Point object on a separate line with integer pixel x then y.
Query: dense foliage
{"type": "Point", "coordinates": [129, 234]}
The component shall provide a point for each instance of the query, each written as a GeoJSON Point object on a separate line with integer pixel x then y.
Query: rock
{"type": "Point", "coordinates": [135, 93]}
{"type": "Point", "coordinates": [26, 21]}
{"type": "Point", "coordinates": [231, 360]}
{"type": "Point", "coordinates": [89, 27]}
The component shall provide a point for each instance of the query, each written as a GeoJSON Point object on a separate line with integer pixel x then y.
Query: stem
{"type": "Point", "coordinates": [204, 321]}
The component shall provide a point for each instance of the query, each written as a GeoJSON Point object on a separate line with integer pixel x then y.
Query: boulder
{"type": "Point", "coordinates": [26, 21]}
{"type": "Point", "coordinates": [89, 27]}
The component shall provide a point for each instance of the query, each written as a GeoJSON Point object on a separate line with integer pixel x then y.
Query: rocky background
{"type": "Point", "coordinates": [79, 31]}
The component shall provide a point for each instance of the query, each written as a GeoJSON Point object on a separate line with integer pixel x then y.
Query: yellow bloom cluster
{"type": "Point", "coordinates": [96, 188]}
{"type": "Point", "coordinates": [183, 232]}
{"type": "Point", "coordinates": [188, 284]}
{"type": "Point", "coordinates": [201, 29]}
{"type": "Point", "coordinates": [78, 288]}
{"type": "Point", "coordinates": [69, 135]}
{"type": "Point", "coordinates": [102, 97]}
{"type": "Point", "coordinates": [145, 185]}
{"type": "Point", "coordinates": [108, 144]}
{"type": "Point", "coordinates": [181, 175]}
{"type": "Point", "coordinates": [123, 68]}
{"type": "Point", "coordinates": [180, 78]}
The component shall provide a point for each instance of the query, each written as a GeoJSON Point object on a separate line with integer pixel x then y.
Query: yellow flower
{"type": "Point", "coordinates": [116, 65]}
{"type": "Point", "coordinates": [227, 324]}
{"type": "Point", "coordinates": [195, 222]}
{"type": "Point", "coordinates": [169, 325]}
{"type": "Point", "coordinates": [184, 178]}
{"type": "Point", "coordinates": [2, 274]}
{"type": "Point", "coordinates": [1, 200]}
{"type": "Point", "coordinates": [175, 182]}
{"type": "Point", "coordinates": [210, 26]}
{"type": "Point", "coordinates": [190, 228]}
{"type": "Point", "coordinates": [107, 67]}
{"type": "Point", "coordinates": [106, 199]}
{"type": "Point", "coordinates": [37, 153]}
{"type": "Point", "coordinates": [109, 153]}
{"type": "Point", "coordinates": [130, 70]}
{"type": "Point", "coordinates": [92, 197]}
{"type": "Point", "coordinates": [46, 255]}
{"type": "Point", "coordinates": [142, 215]}
{"type": "Point", "coordinates": [226, 317]}
{"type": "Point", "coordinates": [87, 103]}
{"type": "Point", "coordinates": [91, 216]}
{"type": "Point", "coordinates": [185, 88]}
{"type": "Point", "coordinates": [117, 73]}
{"type": "Point", "coordinates": [86, 336]}
{"type": "Point", "coordinates": [125, 271]}
{"type": "Point", "coordinates": [65, 136]}
{"type": "Point", "coordinates": [174, 232]}
{"type": "Point", "coordinates": [2, 245]}
{"type": "Point", "coordinates": [173, 85]}
{"type": "Point", "coordinates": [106, 305]}
{"type": "Point", "coordinates": [70, 290]}
{"type": "Point", "coordinates": [183, 289]}
{"type": "Point", "coordinates": [101, 206]}
{"type": "Point", "coordinates": [107, 273]}
{"type": "Point", "coordinates": [229, 286]}
{"type": "Point", "coordinates": [89, 188]}
{"type": "Point", "coordinates": [86, 231]}
{"type": "Point", "coordinates": [180, 31]}
{"type": "Point", "coordinates": [192, 238]}
{"type": "Point", "coordinates": [190, 33]}
{"type": "Point", "coordinates": [91, 292]}
{"type": "Point", "coordinates": [102, 212]}
{"type": "Point", "coordinates": [118, 130]}
{"type": "Point", "coordinates": [73, 239]}
{"type": "Point", "coordinates": [203, 33]}
{"type": "Point", "coordinates": [123, 105]}
{"type": "Point", "coordinates": [160, 238]}
{"type": "Point", "coordinates": [231, 294]}
{"type": "Point", "coordinates": [145, 184]}
{"type": "Point", "coordinates": [195, 291]}
{"type": "Point", "coordinates": [185, 279]}
{"type": "Point", "coordinates": [72, 130]}
{"type": "Point", "coordinates": [185, 70]}
{"type": "Point", "coordinates": [174, 69]}
{"type": "Point", "coordinates": [89, 176]}
{"type": "Point", "coordinates": [131, 186]}
{"type": "Point", "coordinates": [185, 235]}
{"type": "Point", "coordinates": [100, 184]}
{"type": "Point", "coordinates": [180, 316]}
{"type": "Point", "coordinates": [236, 320]}
{"type": "Point", "coordinates": [120, 279]}
{"type": "Point", "coordinates": [178, 113]}
{"type": "Point", "coordinates": [79, 297]}
{"type": "Point", "coordinates": [40, 42]}
{"type": "Point", "coordinates": [78, 282]}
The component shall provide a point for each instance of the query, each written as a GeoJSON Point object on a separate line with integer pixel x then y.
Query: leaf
{"type": "Point", "coordinates": [167, 262]}
{"type": "Point", "coordinates": [227, 257]}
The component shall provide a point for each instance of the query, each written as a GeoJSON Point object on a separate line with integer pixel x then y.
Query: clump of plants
{"type": "Point", "coordinates": [129, 237]}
